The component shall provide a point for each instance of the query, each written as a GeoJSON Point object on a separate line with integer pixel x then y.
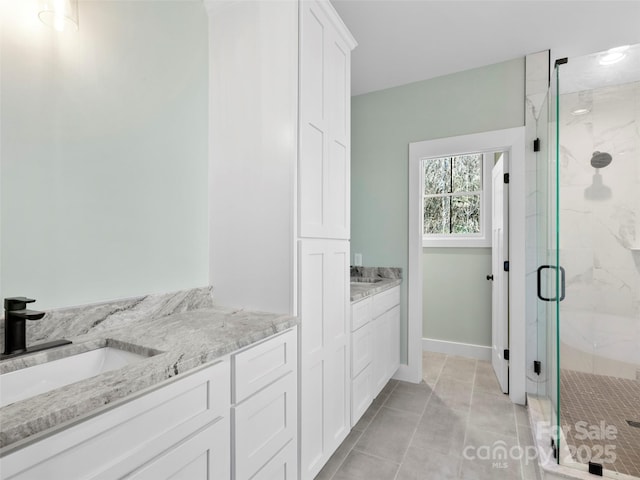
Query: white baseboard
{"type": "Point", "coordinates": [479, 352]}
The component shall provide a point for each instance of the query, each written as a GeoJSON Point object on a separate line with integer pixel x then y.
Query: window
{"type": "Point", "coordinates": [455, 200]}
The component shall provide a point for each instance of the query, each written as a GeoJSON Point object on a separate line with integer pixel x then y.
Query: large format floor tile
{"type": "Point", "coordinates": [457, 424]}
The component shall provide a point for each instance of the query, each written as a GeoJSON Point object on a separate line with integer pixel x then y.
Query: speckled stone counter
{"type": "Point", "coordinates": [388, 277]}
{"type": "Point", "coordinates": [177, 342]}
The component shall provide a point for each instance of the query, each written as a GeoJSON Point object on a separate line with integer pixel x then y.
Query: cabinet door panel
{"type": "Point", "coordinates": [325, 364]}
{"type": "Point", "coordinates": [324, 178]}
{"type": "Point", "coordinates": [338, 88]}
{"type": "Point", "coordinates": [312, 41]}
{"type": "Point", "coordinates": [394, 339]}
{"type": "Point", "coordinates": [312, 174]}
{"type": "Point", "coordinates": [338, 204]}
{"type": "Point", "coordinates": [379, 360]}
{"type": "Point", "coordinates": [361, 349]}
{"type": "Point", "coordinates": [361, 394]}
{"type": "Point", "coordinates": [337, 412]}
{"type": "Point", "coordinates": [263, 424]}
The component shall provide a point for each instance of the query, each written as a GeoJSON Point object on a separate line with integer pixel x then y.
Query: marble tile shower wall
{"type": "Point", "coordinates": [600, 220]}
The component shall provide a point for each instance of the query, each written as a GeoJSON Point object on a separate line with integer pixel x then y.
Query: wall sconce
{"type": "Point", "coordinates": [59, 14]}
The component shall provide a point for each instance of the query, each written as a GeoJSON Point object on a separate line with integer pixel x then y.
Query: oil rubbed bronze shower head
{"type": "Point", "coordinates": [600, 159]}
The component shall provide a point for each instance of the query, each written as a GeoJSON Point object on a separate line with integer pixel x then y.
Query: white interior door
{"type": "Point", "coordinates": [500, 286]}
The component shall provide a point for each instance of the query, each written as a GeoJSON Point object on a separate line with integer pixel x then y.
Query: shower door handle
{"type": "Point", "coordinates": [562, 283]}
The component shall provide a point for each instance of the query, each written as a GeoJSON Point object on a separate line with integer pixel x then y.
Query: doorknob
{"type": "Point", "coordinates": [490, 277]}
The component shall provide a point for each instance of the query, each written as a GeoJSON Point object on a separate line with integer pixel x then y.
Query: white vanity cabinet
{"type": "Point", "coordinates": [375, 347]}
{"type": "Point", "coordinates": [235, 419]}
{"type": "Point", "coordinates": [144, 438]}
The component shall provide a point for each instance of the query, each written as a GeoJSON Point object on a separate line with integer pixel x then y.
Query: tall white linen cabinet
{"type": "Point", "coordinates": [280, 190]}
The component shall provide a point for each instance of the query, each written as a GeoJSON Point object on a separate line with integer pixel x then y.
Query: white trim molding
{"type": "Point", "coordinates": [511, 140]}
{"type": "Point", "coordinates": [479, 352]}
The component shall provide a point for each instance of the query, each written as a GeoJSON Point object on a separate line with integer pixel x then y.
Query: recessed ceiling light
{"type": "Point", "coordinates": [580, 111]}
{"type": "Point", "coordinates": [614, 55]}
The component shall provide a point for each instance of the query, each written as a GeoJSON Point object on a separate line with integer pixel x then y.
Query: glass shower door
{"type": "Point", "coordinates": [548, 274]}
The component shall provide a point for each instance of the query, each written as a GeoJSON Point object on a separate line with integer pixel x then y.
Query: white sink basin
{"type": "Point", "coordinates": [31, 381]}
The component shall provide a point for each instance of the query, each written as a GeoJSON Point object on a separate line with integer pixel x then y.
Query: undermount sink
{"type": "Point", "coordinates": [365, 280]}
{"type": "Point", "coordinates": [32, 381]}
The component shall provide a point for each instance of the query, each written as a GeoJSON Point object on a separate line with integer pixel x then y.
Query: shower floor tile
{"type": "Point", "coordinates": [595, 411]}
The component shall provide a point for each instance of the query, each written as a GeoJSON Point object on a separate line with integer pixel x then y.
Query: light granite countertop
{"type": "Point", "coordinates": [177, 342]}
{"type": "Point", "coordinates": [359, 291]}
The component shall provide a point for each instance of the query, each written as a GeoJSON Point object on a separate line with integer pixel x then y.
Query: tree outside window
{"type": "Point", "coordinates": [452, 195]}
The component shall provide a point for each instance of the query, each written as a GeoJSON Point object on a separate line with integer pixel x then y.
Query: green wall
{"type": "Point", "coordinates": [104, 155]}
{"type": "Point", "coordinates": [456, 295]}
{"type": "Point", "coordinates": [383, 125]}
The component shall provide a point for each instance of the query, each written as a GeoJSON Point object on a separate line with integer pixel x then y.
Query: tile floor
{"type": "Point", "coordinates": [590, 398]}
{"type": "Point", "coordinates": [444, 428]}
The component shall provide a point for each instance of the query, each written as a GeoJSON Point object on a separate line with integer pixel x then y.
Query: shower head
{"type": "Point", "coordinates": [600, 159]}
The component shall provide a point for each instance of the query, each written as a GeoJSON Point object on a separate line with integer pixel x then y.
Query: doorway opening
{"type": "Point", "coordinates": [511, 143]}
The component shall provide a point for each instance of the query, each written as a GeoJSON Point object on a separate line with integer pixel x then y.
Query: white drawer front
{"type": "Point", "coordinates": [284, 466]}
{"type": "Point", "coordinates": [361, 349]}
{"type": "Point", "coordinates": [260, 365]}
{"type": "Point", "coordinates": [361, 394]}
{"type": "Point", "coordinates": [360, 313]}
{"type": "Point", "coordinates": [263, 425]}
{"type": "Point", "coordinates": [204, 456]}
{"type": "Point", "coordinates": [385, 300]}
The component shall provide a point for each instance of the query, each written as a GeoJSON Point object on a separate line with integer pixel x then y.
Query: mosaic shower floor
{"type": "Point", "coordinates": [595, 411]}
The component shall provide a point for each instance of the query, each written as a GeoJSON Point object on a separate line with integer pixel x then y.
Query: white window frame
{"type": "Point", "coordinates": [482, 239]}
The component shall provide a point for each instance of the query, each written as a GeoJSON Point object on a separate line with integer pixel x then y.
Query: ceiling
{"type": "Point", "coordinates": [403, 41]}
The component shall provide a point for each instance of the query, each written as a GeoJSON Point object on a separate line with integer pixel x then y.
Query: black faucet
{"type": "Point", "coordinates": [15, 316]}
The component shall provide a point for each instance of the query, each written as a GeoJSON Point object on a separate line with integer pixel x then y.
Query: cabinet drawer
{"type": "Point", "coordinates": [361, 349]}
{"type": "Point", "coordinates": [360, 313]}
{"type": "Point", "coordinates": [385, 300]}
{"type": "Point", "coordinates": [361, 394]}
{"type": "Point", "coordinates": [132, 433]}
{"type": "Point", "coordinates": [260, 365]}
{"type": "Point", "coordinates": [204, 456]}
{"type": "Point", "coordinates": [283, 466]}
{"type": "Point", "coordinates": [263, 425]}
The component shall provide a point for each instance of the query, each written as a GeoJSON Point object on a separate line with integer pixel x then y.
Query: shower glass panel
{"type": "Point", "coordinates": [598, 185]}
{"type": "Point", "coordinates": [546, 259]}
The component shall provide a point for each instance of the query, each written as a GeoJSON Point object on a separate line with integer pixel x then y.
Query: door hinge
{"type": "Point", "coordinates": [536, 145]}
{"type": "Point", "coordinates": [506, 266]}
{"type": "Point", "coordinates": [537, 367]}
{"type": "Point", "coordinates": [505, 354]}
{"type": "Point", "coordinates": [506, 178]}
